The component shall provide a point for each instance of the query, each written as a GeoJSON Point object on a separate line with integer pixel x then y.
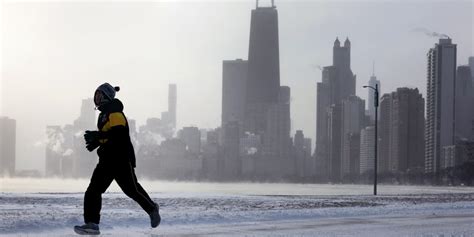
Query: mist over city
{"type": "Point", "coordinates": [212, 102]}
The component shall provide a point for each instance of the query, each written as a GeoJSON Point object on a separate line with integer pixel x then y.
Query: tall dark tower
{"type": "Point", "coordinates": [263, 83]}
{"type": "Point", "coordinates": [338, 85]}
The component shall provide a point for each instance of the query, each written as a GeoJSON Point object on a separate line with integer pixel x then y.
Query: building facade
{"type": "Point", "coordinates": [440, 102]}
{"type": "Point", "coordinates": [338, 83]}
{"type": "Point", "coordinates": [464, 110]}
{"type": "Point", "coordinates": [353, 118]}
{"type": "Point", "coordinates": [367, 157]}
{"type": "Point", "coordinates": [191, 136]}
{"type": "Point", "coordinates": [234, 87]}
{"type": "Point", "coordinates": [401, 138]}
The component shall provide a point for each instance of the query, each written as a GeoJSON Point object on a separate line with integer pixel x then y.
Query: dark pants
{"type": "Point", "coordinates": [103, 175]}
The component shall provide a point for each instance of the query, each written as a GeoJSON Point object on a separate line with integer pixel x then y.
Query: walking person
{"type": "Point", "coordinates": [116, 162]}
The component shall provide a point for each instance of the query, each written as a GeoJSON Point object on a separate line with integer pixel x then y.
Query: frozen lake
{"type": "Point", "coordinates": [50, 207]}
{"type": "Point", "coordinates": [35, 185]}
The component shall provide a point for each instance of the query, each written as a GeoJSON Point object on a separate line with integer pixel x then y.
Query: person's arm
{"type": "Point", "coordinates": [116, 135]}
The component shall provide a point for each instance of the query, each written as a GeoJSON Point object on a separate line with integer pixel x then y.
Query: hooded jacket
{"type": "Point", "coordinates": [115, 145]}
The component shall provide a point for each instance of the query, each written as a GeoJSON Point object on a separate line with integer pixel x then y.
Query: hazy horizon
{"type": "Point", "coordinates": [54, 54]}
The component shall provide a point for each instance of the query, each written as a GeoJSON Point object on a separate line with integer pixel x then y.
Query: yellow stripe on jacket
{"type": "Point", "coordinates": [115, 119]}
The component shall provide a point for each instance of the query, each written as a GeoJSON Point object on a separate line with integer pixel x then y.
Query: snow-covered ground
{"type": "Point", "coordinates": [206, 209]}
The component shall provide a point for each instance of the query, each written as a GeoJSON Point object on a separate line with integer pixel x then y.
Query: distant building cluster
{"type": "Point", "coordinates": [256, 142]}
{"type": "Point", "coordinates": [449, 129]}
{"type": "Point", "coordinates": [253, 141]}
{"type": "Point", "coordinates": [66, 155]}
{"type": "Point", "coordinates": [419, 140]}
{"type": "Point", "coordinates": [411, 147]}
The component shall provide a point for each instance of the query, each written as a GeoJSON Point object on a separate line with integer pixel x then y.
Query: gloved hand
{"type": "Point", "coordinates": [91, 136]}
{"type": "Point", "coordinates": [92, 146]}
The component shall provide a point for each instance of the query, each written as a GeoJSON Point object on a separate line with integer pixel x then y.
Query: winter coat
{"type": "Point", "coordinates": [116, 146]}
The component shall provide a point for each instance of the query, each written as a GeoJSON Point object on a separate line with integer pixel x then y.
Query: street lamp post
{"type": "Point", "coordinates": [376, 105]}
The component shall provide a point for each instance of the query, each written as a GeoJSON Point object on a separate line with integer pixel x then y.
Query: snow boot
{"type": "Point", "coordinates": [87, 229]}
{"type": "Point", "coordinates": [155, 217]}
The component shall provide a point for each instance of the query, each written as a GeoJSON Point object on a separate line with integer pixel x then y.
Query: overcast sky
{"type": "Point", "coordinates": [54, 54]}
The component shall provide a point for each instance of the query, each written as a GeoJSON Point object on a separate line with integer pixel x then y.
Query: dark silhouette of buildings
{"type": "Point", "coordinates": [7, 146]}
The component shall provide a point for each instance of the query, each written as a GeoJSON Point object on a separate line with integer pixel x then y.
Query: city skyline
{"type": "Point", "coordinates": [208, 115]}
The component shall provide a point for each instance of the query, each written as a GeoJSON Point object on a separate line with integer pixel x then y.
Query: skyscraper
{"type": "Point", "coordinates": [464, 110]}
{"type": "Point", "coordinates": [321, 151]}
{"type": "Point", "coordinates": [166, 126]}
{"type": "Point", "coordinates": [402, 131]}
{"type": "Point", "coordinates": [440, 97]}
{"type": "Point", "coordinates": [7, 146]}
{"type": "Point", "coordinates": [338, 84]}
{"type": "Point", "coordinates": [345, 82]}
{"type": "Point", "coordinates": [234, 86]}
{"type": "Point", "coordinates": [263, 84]}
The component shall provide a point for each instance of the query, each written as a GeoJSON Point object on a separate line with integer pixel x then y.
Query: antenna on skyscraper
{"type": "Point", "coordinates": [273, 4]}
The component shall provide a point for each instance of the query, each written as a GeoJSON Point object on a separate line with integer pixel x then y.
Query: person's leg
{"type": "Point", "coordinates": [100, 181]}
{"type": "Point", "coordinates": [127, 181]}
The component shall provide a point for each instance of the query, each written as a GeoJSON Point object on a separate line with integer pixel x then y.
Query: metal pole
{"type": "Point", "coordinates": [376, 104]}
